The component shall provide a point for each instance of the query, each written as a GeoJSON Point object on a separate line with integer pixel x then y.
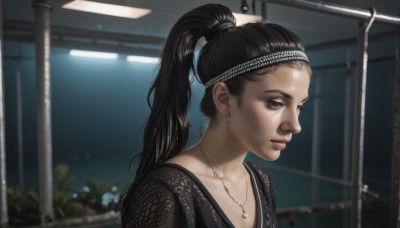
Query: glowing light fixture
{"type": "Point", "coordinates": [142, 59]}
{"type": "Point", "coordinates": [93, 54]}
{"type": "Point", "coordinates": [106, 9]}
{"type": "Point", "coordinates": [246, 18]}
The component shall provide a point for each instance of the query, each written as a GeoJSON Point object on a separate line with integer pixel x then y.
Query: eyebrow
{"type": "Point", "coordinates": [286, 95]}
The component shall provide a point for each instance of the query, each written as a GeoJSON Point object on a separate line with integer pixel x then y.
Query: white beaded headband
{"type": "Point", "coordinates": [257, 63]}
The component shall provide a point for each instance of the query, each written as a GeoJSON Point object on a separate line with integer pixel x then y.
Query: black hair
{"type": "Point", "coordinates": [167, 128]}
{"type": "Point", "coordinates": [237, 46]}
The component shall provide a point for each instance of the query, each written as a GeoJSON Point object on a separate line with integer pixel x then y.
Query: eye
{"type": "Point", "coordinates": [301, 108]}
{"type": "Point", "coordinates": [274, 104]}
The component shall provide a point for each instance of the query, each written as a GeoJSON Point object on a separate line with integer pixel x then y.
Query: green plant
{"type": "Point", "coordinates": [64, 205]}
{"type": "Point", "coordinates": [15, 199]}
{"type": "Point", "coordinates": [63, 178]}
{"type": "Point", "coordinates": [23, 206]}
{"type": "Point", "coordinates": [94, 195]}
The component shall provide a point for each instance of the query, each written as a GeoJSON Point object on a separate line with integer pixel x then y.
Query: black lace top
{"type": "Point", "coordinates": [172, 196]}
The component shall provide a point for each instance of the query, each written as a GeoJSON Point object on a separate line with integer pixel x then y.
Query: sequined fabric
{"type": "Point", "coordinates": [172, 196]}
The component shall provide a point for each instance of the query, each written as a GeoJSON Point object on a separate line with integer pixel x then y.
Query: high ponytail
{"type": "Point", "coordinates": [167, 128]}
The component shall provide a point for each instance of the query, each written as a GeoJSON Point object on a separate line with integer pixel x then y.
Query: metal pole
{"type": "Point", "coordinates": [3, 181]}
{"type": "Point", "coordinates": [341, 65]}
{"type": "Point", "coordinates": [309, 175]}
{"type": "Point", "coordinates": [316, 139]}
{"type": "Point", "coordinates": [390, 35]}
{"type": "Point", "coordinates": [79, 34]}
{"type": "Point", "coordinates": [347, 136]}
{"type": "Point", "coordinates": [20, 128]}
{"type": "Point", "coordinates": [264, 10]}
{"type": "Point", "coordinates": [358, 142]}
{"type": "Point", "coordinates": [42, 20]}
{"type": "Point", "coordinates": [316, 136]}
{"type": "Point", "coordinates": [395, 191]}
{"type": "Point", "coordinates": [338, 10]}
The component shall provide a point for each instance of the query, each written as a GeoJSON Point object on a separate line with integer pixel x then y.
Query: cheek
{"type": "Point", "coordinates": [255, 120]}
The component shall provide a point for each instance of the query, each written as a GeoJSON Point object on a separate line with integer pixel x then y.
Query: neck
{"type": "Point", "coordinates": [223, 151]}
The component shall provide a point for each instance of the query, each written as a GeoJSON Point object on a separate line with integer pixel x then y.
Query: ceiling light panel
{"type": "Point", "coordinates": [107, 9]}
{"type": "Point", "coordinates": [93, 54]}
{"type": "Point", "coordinates": [142, 59]}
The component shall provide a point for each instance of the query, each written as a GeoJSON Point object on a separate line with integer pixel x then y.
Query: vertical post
{"type": "Point", "coordinates": [358, 142]}
{"type": "Point", "coordinates": [42, 25]}
{"type": "Point", "coordinates": [316, 139]}
{"type": "Point", "coordinates": [395, 191]}
{"type": "Point", "coordinates": [3, 181]}
{"type": "Point", "coordinates": [19, 126]}
{"type": "Point", "coordinates": [264, 10]}
{"type": "Point", "coordinates": [346, 138]}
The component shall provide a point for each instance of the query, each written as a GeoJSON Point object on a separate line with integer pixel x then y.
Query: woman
{"type": "Point", "coordinates": [256, 79]}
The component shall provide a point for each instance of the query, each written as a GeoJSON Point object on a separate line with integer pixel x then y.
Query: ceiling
{"type": "Point", "coordinates": [312, 27]}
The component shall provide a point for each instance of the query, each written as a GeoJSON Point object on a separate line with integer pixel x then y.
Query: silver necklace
{"type": "Point", "coordinates": [241, 205]}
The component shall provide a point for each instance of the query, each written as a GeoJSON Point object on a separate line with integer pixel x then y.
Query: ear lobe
{"type": "Point", "coordinates": [221, 96]}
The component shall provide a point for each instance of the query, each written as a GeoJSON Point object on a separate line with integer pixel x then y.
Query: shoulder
{"type": "Point", "coordinates": [155, 187]}
{"type": "Point", "coordinates": [157, 200]}
{"type": "Point", "coordinates": [171, 175]}
{"type": "Point", "coordinates": [168, 179]}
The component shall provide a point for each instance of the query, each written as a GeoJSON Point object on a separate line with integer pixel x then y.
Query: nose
{"type": "Point", "coordinates": [290, 122]}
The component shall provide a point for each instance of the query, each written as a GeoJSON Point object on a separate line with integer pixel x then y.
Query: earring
{"type": "Point", "coordinates": [227, 122]}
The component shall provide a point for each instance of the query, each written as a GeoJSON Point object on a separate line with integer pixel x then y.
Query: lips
{"type": "Point", "coordinates": [279, 144]}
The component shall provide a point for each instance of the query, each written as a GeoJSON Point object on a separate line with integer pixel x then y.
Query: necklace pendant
{"type": "Point", "coordinates": [244, 214]}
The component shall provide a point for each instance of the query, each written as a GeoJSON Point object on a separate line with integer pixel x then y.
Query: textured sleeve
{"type": "Point", "coordinates": [272, 192]}
{"type": "Point", "coordinates": [154, 206]}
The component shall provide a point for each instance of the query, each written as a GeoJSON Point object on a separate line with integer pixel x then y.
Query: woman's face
{"type": "Point", "coordinates": [268, 115]}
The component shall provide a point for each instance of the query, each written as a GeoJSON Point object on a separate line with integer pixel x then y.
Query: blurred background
{"type": "Point", "coordinates": [98, 107]}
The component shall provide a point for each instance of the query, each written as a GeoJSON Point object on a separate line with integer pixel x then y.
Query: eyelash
{"type": "Point", "coordinates": [276, 105]}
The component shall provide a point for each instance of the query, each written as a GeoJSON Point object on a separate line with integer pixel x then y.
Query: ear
{"type": "Point", "coordinates": [221, 96]}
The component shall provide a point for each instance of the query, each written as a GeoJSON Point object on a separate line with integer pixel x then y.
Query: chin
{"type": "Point", "coordinates": [270, 155]}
